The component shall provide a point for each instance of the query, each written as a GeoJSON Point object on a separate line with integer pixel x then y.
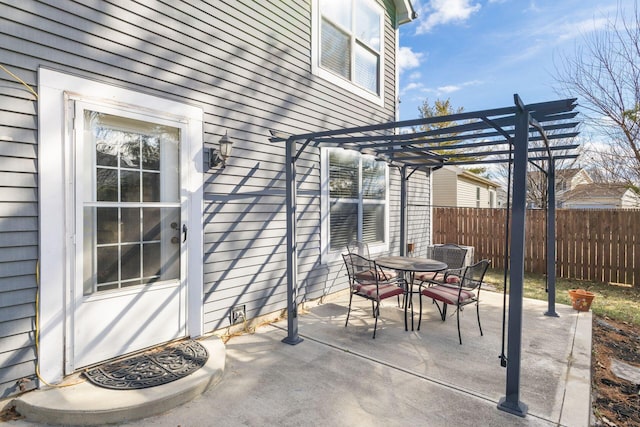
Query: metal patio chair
{"type": "Point", "coordinates": [466, 291]}
{"type": "Point", "coordinates": [361, 248]}
{"type": "Point", "coordinates": [451, 254]}
{"type": "Point", "coordinates": [367, 280]}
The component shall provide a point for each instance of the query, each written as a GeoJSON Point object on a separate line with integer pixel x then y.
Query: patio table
{"type": "Point", "coordinates": [409, 266]}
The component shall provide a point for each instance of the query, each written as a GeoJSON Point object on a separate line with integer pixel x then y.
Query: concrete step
{"type": "Point", "coordinates": [87, 404]}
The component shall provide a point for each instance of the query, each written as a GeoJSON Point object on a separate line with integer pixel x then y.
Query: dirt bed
{"type": "Point", "coordinates": [616, 402]}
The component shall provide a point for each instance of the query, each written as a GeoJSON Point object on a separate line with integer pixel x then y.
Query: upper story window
{"type": "Point", "coordinates": [348, 45]}
{"type": "Point", "coordinates": [354, 201]}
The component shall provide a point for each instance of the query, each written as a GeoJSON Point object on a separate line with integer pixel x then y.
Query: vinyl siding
{"type": "Point", "coordinates": [445, 187]}
{"type": "Point", "coordinates": [18, 230]}
{"type": "Point", "coordinates": [247, 64]}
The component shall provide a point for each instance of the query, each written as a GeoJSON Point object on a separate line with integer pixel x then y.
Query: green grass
{"type": "Point", "coordinates": [616, 302]}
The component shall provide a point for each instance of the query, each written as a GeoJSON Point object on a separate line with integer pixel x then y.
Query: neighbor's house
{"type": "Point", "coordinates": [601, 196]}
{"type": "Point", "coordinates": [115, 229]}
{"type": "Point", "coordinates": [454, 186]}
{"type": "Point", "coordinates": [575, 189]}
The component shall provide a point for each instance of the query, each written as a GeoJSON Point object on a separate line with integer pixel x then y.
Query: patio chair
{"type": "Point", "coordinates": [369, 281]}
{"type": "Point", "coordinates": [361, 248]}
{"type": "Point", "coordinates": [466, 291]}
{"type": "Point", "coordinates": [449, 253]}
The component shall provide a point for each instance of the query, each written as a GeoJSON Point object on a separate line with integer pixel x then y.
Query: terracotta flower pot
{"type": "Point", "coordinates": [581, 299]}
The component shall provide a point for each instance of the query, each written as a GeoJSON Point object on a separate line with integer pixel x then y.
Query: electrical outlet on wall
{"type": "Point", "coordinates": [238, 314]}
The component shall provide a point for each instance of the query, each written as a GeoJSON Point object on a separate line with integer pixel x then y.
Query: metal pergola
{"type": "Point", "coordinates": [501, 135]}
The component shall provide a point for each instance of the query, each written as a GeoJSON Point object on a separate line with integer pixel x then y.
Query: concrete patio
{"type": "Point", "coordinates": [342, 377]}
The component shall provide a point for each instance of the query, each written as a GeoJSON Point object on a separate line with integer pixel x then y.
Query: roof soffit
{"type": "Point", "coordinates": [404, 11]}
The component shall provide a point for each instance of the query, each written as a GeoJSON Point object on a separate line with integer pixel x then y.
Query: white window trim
{"type": "Point", "coordinates": [326, 254]}
{"type": "Point", "coordinates": [56, 189]}
{"type": "Point", "coordinates": [317, 70]}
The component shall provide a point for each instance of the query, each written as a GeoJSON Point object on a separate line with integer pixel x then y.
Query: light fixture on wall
{"type": "Point", "coordinates": [217, 157]}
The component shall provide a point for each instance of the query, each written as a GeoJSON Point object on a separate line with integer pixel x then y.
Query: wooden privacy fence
{"type": "Point", "coordinates": [595, 245]}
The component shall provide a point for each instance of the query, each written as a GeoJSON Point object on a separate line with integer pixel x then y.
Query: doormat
{"type": "Point", "coordinates": [153, 367]}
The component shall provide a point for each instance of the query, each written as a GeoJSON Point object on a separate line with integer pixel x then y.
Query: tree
{"type": "Point", "coordinates": [438, 109]}
{"type": "Point", "coordinates": [604, 73]}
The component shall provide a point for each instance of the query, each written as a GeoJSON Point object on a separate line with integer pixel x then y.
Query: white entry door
{"type": "Point", "coordinates": [129, 288]}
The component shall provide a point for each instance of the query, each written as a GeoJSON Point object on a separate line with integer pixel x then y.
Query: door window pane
{"type": "Point", "coordinates": [129, 186]}
{"type": "Point", "coordinates": [151, 152]}
{"type": "Point", "coordinates": [130, 262]}
{"type": "Point", "coordinates": [106, 225]}
{"type": "Point", "coordinates": [129, 239]}
{"type": "Point", "coordinates": [150, 187]}
{"type": "Point", "coordinates": [107, 185]}
{"type": "Point", "coordinates": [130, 223]}
{"type": "Point", "coordinates": [151, 224]}
{"type": "Point", "coordinates": [107, 259]}
{"type": "Point", "coordinates": [129, 150]}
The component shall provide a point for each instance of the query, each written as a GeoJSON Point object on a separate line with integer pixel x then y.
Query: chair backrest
{"type": "Point", "coordinates": [359, 268]}
{"type": "Point", "coordinates": [359, 247]}
{"type": "Point", "coordinates": [449, 253]}
{"type": "Point", "coordinates": [474, 274]}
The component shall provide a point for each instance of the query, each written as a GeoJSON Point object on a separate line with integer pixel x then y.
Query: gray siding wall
{"type": "Point", "coordinates": [18, 228]}
{"type": "Point", "coordinates": [247, 64]}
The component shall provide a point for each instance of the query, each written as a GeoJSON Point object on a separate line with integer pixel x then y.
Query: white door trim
{"type": "Point", "coordinates": [55, 172]}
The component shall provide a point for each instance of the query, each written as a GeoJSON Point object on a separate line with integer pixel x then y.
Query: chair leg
{"type": "Point", "coordinates": [478, 313]}
{"type": "Point", "coordinates": [349, 309]}
{"type": "Point", "coordinates": [458, 321]}
{"type": "Point", "coordinates": [376, 315]}
{"type": "Point", "coordinates": [443, 311]}
{"type": "Point", "coordinates": [420, 315]}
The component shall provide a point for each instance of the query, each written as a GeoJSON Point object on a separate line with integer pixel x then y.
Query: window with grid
{"type": "Point", "coordinates": [349, 38]}
{"type": "Point", "coordinates": [357, 199]}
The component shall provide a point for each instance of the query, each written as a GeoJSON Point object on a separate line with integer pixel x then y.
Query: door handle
{"type": "Point", "coordinates": [184, 232]}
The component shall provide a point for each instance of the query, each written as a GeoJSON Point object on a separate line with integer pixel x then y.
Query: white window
{"type": "Point", "coordinates": [355, 201]}
{"type": "Point", "coordinates": [348, 45]}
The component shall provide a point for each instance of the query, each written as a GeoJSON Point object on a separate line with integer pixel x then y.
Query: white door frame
{"type": "Point", "coordinates": [56, 189]}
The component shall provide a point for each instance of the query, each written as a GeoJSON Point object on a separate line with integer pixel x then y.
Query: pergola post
{"type": "Point", "coordinates": [404, 230]}
{"type": "Point", "coordinates": [551, 240]}
{"type": "Point", "coordinates": [511, 401]}
{"type": "Point", "coordinates": [292, 249]}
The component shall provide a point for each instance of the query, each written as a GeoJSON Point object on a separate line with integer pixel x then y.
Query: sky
{"type": "Point", "coordinates": [479, 53]}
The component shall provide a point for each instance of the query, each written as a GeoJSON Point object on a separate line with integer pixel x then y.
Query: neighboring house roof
{"type": "Point", "coordinates": [477, 178]}
{"type": "Point", "coordinates": [619, 195]}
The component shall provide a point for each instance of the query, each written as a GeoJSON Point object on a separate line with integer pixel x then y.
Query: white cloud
{"type": "Point", "coordinates": [411, 88]}
{"type": "Point", "coordinates": [439, 12]}
{"type": "Point", "coordinates": [408, 59]}
{"type": "Point", "coordinates": [449, 89]}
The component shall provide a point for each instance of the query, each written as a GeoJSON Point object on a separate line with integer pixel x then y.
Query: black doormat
{"type": "Point", "coordinates": [153, 367]}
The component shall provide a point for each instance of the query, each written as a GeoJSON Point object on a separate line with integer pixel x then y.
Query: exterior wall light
{"type": "Point", "coordinates": [216, 157]}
